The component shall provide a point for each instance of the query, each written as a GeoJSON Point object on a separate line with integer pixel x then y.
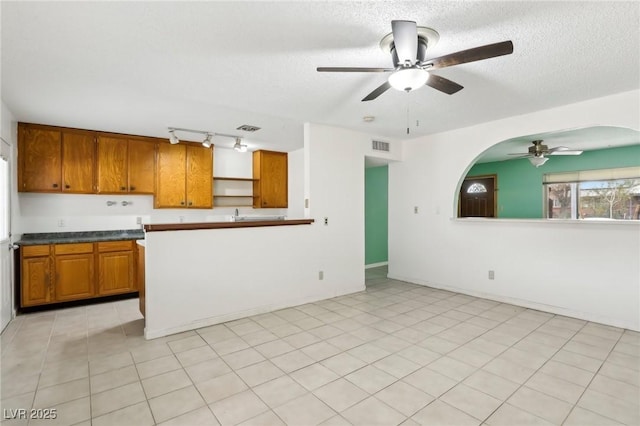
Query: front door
{"type": "Point", "coordinates": [6, 293]}
{"type": "Point", "coordinates": [477, 197]}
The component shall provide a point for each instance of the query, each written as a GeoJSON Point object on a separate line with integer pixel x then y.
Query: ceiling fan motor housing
{"type": "Point", "coordinates": [421, 54]}
{"type": "Point", "coordinates": [538, 148]}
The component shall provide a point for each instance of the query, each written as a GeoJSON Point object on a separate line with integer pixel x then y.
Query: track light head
{"type": "Point", "coordinates": [207, 141]}
{"type": "Point", "coordinates": [173, 139]}
{"type": "Point", "coordinates": [238, 146]}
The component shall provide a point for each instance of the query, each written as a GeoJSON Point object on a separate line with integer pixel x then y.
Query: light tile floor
{"type": "Point", "coordinates": [396, 353]}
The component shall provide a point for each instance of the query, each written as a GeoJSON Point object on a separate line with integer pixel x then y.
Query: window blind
{"type": "Point", "coordinates": [589, 175]}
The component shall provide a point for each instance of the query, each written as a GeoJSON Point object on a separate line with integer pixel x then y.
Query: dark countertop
{"type": "Point", "coordinates": [225, 225]}
{"type": "Point", "coordinates": [80, 237]}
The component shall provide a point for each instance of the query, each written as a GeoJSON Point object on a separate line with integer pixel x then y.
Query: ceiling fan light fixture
{"type": "Point", "coordinates": [408, 79]}
{"type": "Point", "coordinates": [538, 160]}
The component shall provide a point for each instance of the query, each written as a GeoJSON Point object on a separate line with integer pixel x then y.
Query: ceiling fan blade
{"type": "Point", "coordinates": [353, 69]}
{"type": "Point", "coordinates": [519, 155]}
{"type": "Point", "coordinates": [471, 55]}
{"type": "Point", "coordinates": [566, 151]}
{"type": "Point", "coordinates": [442, 84]}
{"type": "Point", "coordinates": [405, 40]}
{"type": "Point", "coordinates": [377, 92]}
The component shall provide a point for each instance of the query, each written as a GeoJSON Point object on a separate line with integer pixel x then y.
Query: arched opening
{"type": "Point", "coordinates": [591, 172]}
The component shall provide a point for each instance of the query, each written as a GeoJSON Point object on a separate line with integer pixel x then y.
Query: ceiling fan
{"type": "Point", "coordinates": [407, 44]}
{"type": "Point", "coordinates": [536, 153]}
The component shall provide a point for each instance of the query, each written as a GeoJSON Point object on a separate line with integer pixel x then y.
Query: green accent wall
{"type": "Point", "coordinates": [376, 214]}
{"type": "Point", "coordinates": [520, 191]}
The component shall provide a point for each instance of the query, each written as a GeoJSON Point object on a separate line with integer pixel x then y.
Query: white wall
{"type": "Point", "coordinates": [586, 270]}
{"type": "Point", "coordinates": [218, 275]}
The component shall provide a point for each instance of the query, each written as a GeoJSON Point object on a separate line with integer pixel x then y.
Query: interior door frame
{"type": "Point", "coordinates": [7, 244]}
{"type": "Point", "coordinates": [495, 192]}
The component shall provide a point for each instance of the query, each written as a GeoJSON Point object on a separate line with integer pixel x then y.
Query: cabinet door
{"type": "Point", "coordinates": [35, 281]}
{"type": "Point", "coordinates": [115, 273]}
{"type": "Point", "coordinates": [40, 155]}
{"type": "Point", "coordinates": [199, 177]}
{"type": "Point", "coordinates": [112, 165]}
{"type": "Point", "coordinates": [142, 165]}
{"type": "Point", "coordinates": [171, 176]}
{"type": "Point", "coordinates": [74, 277]}
{"type": "Point", "coordinates": [78, 161]}
{"type": "Point", "coordinates": [273, 180]}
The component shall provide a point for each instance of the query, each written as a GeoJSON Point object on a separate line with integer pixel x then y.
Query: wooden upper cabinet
{"type": "Point", "coordinates": [112, 165]}
{"type": "Point", "coordinates": [171, 176]}
{"type": "Point", "coordinates": [199, 177]}
{"type": "Point", "coordinates": [78, 159]}
{"type": "Point", "coordinates": [184, 176]}
{"type": "Point", "coordinates": [125, 165]}
{"type": "Point", "coordinates": [142, 167]}
{"type": "Point", "coordinates": [270, 187]}
{"type": "Point", "coordinates": [55, 159]}
{"type": "Point", "coordinates": [39, 159]}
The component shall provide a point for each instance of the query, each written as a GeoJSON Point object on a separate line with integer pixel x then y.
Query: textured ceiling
{"type": "Point", "coordinates": [138, 67]}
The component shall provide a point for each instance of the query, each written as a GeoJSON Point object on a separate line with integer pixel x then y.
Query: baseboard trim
{"type": "Point", "coordinates": [154, 334]}
{"type": "Point", "coordinates": [552, 309]}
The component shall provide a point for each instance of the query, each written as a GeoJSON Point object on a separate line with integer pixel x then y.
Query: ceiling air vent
{"type": "Point", "coordinates": [248, 128]}
{"type": "Point", "coordinates": [380, 146]}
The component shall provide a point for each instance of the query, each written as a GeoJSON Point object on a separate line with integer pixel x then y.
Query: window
{"type": "Point", "coordinates": [612, 194]}
{"type": "Point", "coordinates": [476, 188]}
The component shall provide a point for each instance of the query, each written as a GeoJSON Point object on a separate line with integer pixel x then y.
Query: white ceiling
{"type": "Point", "coordinates": [138, 67]}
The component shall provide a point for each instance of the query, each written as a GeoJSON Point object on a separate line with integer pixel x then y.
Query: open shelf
{"type": "Point", "coordinates": [233, 178]}
{"type": "Point", "coordinates": [233, 192]}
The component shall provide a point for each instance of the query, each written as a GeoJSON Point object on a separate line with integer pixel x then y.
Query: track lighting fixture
{"type": "Point", "coordinates": [208, 138]}
{"type": "Point", "coordinates": [238, 146]}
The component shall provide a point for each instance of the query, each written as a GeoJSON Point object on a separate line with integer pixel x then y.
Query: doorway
{"type": "Point", "coordinates": [478, 197]}
{"type": "Point", "coordinates": [6, 293]}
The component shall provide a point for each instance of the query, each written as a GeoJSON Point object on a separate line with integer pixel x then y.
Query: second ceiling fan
{"type": "Point", "coordinates": [407, 44]}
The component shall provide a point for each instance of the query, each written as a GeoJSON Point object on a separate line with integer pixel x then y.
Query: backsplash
{"type": "Point", "coordinates": [75, 212]}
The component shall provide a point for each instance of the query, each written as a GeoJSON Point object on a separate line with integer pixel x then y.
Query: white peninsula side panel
{"type": "Point", "coordinates": [196, 278]}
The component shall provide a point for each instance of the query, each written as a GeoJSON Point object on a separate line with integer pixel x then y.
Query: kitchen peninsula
{"type": "Point", "coordinates": [199, 274]}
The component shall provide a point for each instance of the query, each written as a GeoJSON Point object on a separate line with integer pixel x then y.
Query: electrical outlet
{"type": "Point", "coordinates": [321, 275]}
{"type": "Point", "coordinates": [61, 223]}
{"type": "Point", "coordinates": [139, 220]}
{"type": "Point", "coordinates": [492, 275]}
{"type": "Point", "coordinates": [326, 220]}
{"type": "Point", "coordinates": [415, 210]}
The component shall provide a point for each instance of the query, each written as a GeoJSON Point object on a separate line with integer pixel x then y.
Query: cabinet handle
{"type": "Point", "coordinates": [123, 188]}
{"type": "Point", "coordinates": [182, 203]}
{"type": "Point", "coordinates": [190, 203]}
{"type": "Point", "coordinates": [132, 188]}
{"type": "Point", "coordinates": [67, 186]}
{"type": "Point", "coordinates": [55, 185]}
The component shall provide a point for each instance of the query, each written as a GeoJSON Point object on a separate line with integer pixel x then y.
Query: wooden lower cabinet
{"type": "Point", "coordinates": [75, 277]}
{"type": "Point", "coordinates": [65, 272]}
{"type": "Point", "coordinates": [116, 273]}
{"type": "Point", "coordinates": [36, 283]}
